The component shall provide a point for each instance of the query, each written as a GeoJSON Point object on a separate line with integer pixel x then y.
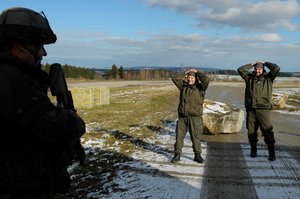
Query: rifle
{"type": "Point", "coordinates": [59, 88]}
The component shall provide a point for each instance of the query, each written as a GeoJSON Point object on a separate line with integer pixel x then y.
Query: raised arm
{"type": "Point", "coordinates": [274, 70]}
{"type": "Point", "coordinates": [204, 80]}
{"type": "Point", "coordinates": [178, 79]}
{"type": "Point", "coordinates": [244, 70]}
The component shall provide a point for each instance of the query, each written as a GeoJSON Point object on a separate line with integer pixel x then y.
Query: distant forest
{"type": "Point", "coordinates": [138, 73]}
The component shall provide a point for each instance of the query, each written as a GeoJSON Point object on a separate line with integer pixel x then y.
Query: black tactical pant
{"type": "Point", "coordinates": [259, 118]}
{"type": "Point", "coordinates": [42, 195]}
{"type": "Point", "coordinates": [195, 126]}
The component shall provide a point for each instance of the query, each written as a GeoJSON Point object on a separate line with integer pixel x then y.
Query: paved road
{"type": "Point", "coordinates": [228, 172]}
{"type": "Point", "coordinates": [231, 173]}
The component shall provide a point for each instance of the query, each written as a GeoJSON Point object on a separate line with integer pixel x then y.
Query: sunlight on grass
{"type": "Point", "coordinates": [132, 111]}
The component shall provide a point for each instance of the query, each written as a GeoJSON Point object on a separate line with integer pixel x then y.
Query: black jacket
{"type": "Point", "coordinates": [34, 133]}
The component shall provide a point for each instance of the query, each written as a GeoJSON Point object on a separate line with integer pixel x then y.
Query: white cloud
{"type": "Point", "coordinates": [182, 6]}
{"type": "Point", "coordinates": [248, 15]}
{"type": "Point", "coordinates": [272, 37]}
{"type": "Point", "coordinates": [268, 37]}
{"type": "Point", "coordinates": [257, 38]}
{"type": "Point", "coordinates": [171, 50]}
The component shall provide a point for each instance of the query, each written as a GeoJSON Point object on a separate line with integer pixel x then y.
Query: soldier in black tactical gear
{"type": "Point", "coordinates": [34, 132]}
{"type": "Point", "coordinates": [258, 103]}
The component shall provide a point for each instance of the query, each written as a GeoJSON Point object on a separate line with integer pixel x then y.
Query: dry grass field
{"type": "Point", "coordinates": [134, 111]}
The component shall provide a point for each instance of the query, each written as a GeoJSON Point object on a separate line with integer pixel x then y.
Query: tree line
{"type": "Point", "coordinates": [119, 73]}
{"type": "Point", "coordinates": [115, 73]}
{"type": "Point", "coordinates": [137, 74]}
{"type": "Point", "coordinates": [75, 72]}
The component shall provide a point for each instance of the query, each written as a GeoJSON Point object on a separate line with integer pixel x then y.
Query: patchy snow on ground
{"type": "Point", "coordinates": [287, 91]}
{"type": "Point", "coordinates": [288, 112]}
{"type": "Point", "coordinates": [151, 175]}
{"type": "Point", "coordinates": [273, 179]}
{"type": "Point", "coordinates": [216, 107]}
{"type": "Point", "coordinates": [280, 92]}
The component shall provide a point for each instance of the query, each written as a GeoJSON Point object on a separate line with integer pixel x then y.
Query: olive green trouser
{"type": "Point", "coordinates": [259, 118]}
{"type": "Point", "coordinates": [195, 127]}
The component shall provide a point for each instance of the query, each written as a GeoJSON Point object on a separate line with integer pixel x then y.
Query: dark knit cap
{"type": "Point", "coordinates": [191, 74]}
{"type": "Point", "coordinates": [259, 65]}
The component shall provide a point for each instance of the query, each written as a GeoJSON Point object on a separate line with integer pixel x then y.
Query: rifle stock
{"type": "Point", "coordinates": [59, 88]}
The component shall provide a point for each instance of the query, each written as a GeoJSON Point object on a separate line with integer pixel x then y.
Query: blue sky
{"type": "Point", "coordinates": [192, 33]}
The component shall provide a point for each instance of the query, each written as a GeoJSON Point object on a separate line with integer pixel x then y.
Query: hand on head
{"type": "Point", "coordinates": [193, 70]}
{"type": "Point", "coordinates": [258, 62]}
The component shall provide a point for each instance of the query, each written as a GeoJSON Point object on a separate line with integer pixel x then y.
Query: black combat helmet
{"type": "Point", "coordinates": [25, 24]}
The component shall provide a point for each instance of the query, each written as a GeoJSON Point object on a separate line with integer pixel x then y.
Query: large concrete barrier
{"type": "Point", "coordinates": [90, 97]}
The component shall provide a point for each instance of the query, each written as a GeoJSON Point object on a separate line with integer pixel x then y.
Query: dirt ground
{"type": "Point", "coordinates": [228, 171]}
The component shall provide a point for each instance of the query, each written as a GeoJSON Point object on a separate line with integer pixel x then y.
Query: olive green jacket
{"type": "Point", "coordinates": [191, 97]}
{"type": "Point", "coordinates": [258, 91]}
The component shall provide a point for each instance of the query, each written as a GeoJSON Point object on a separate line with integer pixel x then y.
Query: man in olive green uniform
{"type": "Point", "coordinates": [192, 85]}
{"type": "Point", "coordinates": [258, 103]}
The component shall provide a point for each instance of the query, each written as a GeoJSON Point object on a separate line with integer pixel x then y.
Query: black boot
{"type": "Point", "coordinates": [271, 150]}
{"type": "Point", "coordinates": [253, 152]}
{"type": "Point", "coordinates": [198, 158]}
{"type": "Point", "coordinates": [176, 158]}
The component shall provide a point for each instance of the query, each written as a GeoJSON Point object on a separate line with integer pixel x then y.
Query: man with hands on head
{"type": "Point", "coordinates": [192, 85]}
{"type": "Point", "coordinates": [258, 103]}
